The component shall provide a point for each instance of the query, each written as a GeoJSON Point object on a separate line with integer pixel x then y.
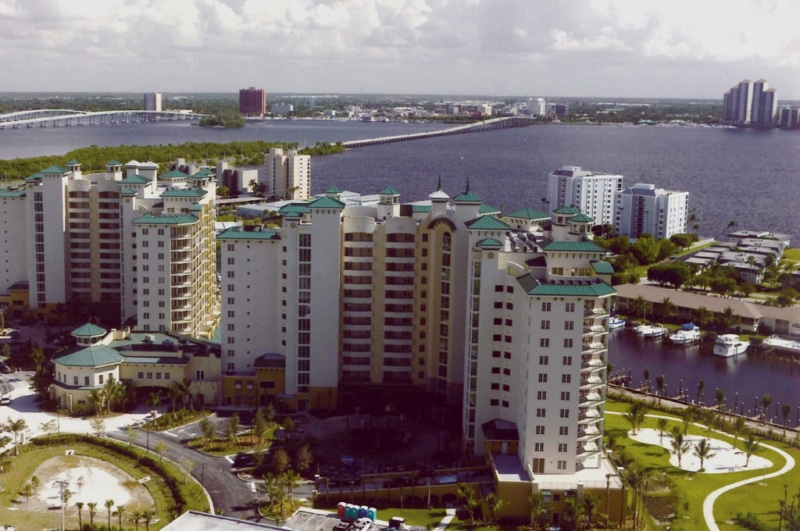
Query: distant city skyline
{"type": "Point", "coordinates": [592, 48]}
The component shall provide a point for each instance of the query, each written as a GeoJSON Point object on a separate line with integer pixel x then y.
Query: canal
{"type": "Point", "coordinates": [744, 379]}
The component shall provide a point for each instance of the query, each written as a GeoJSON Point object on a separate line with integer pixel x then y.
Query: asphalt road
{"type": "Point", "coordinates": [231, 496]}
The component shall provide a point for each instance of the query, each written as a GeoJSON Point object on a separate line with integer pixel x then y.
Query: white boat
{"type": "Point", "coordinates": [728, 345]}
{"type": "Point", "coordinates": [615, 322]}
{"type": "Point", "coordinates": [650, 331]}
{"type": "Point", "coordinates": [687, 335]}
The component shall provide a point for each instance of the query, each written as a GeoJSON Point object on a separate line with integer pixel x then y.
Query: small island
{"type": "Point", "coordinates": [226, 118]}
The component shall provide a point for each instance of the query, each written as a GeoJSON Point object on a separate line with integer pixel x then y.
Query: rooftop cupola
{"type": "Point", "coordinates": [439, 201]}
{"type": "Point", "coordinates": [388, 203]}
{"type": "Point", "coordinates": [88, 334]}
{"type": "Point", "coordinates": [334, 192]}
{"type": "Point", "coordinates": [74, 166]}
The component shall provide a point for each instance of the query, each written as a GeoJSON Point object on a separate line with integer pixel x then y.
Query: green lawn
{"type": "Point", "coordinates": [792, 254]}
{"type": "Point", "coordinates": [683, 492]}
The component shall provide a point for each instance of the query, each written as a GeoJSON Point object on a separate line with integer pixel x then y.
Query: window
{"type": "Point", "coordinates": [540, 430]}
{"type": "Point", "coordinates": [566, 360]}
{"type": "Point", "coordinates": [494, 402]}
{"type": "Point", "coordinates": [140, 375]}
{"type": "Point", "coordinates": [569, 325]}
{"type": "Point", "coordinates": [149, 375]}
{"type": "Point", "coordinates": [495, 386]}
{"type": "Point", "coordinates": [563, 430]}
{"type": "Point", "coordinates": [564, 413]}
{"type": "Point", "coordinates": [545, 306]}
{"type": "Point", "coordinates": [566, 378]}
{"type": "Point", "coordinates": [158, 376]}
{"type": "Point", "coordinates": [85, 380]}
{"type": "Point", "coordinates": [541, 395]}
{"type": "Point", "coordinates": [542, 377]}
{"type": "Point", "coordinates": [562, 447]}
{"type": "Point", "coordinates": [564, 395]}
{"type": "Point", "coordinates": [545, 325]}
{"type": "Point", "coordinates": [200, 375]}
{"type": "Point", "coordinates": [538, 447]}
{"type": "Point", "coordinates": [570, 306]}
{"type": "Point", "coordinates": [541, 412]}
{"type": "Point", "coordinates": [562, 465]}
{"type": "Point", "coordinates": [568, 343]}
{"type": "Point", "coordinates": [495, 353]}
{"type": "Point", "coordinates": [544, 342]}
{"type": "Point", "coordinates": [495, 370]}
{"type": "Point", "coordinates": [544, 360]}
{"type": "Point", "coordinates": [74, 380]}
{"type": "Point", "coordinates": [507, 372]}
{"type": "Point", "coordinates": [101, 379]}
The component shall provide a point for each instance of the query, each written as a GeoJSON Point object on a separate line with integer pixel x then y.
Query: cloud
{"type": "Point", "coordinates": [425, 40]}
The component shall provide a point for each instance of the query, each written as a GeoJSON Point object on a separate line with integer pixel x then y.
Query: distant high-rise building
{"type": "Point", "coordinates": [281, 109]}
{"type": "Point", "coordinates": [750, 103]}
{"type": "Point", "coordinates": [537, 106]}
{"type": "Point", "coordinates": [643, 208]}
{"type": "Point", "coordinates": [561, 109]}
{"type": "Point", "coordinates": [591, 193]}
{"type": "Point", "coordinates": [252, 101]}
{"type": "Point", "coordinates": [152, 101]}
{"type": "Point", "coordinates": [790, 118]}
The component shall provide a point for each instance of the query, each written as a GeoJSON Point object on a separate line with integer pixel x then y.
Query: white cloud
{"type": "Point", "coordinates": [428, 41]}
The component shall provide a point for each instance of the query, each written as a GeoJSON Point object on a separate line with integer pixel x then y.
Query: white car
{"type": "Point", "coordinates": [5, 401]}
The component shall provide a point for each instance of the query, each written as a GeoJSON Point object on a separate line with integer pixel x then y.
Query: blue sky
{"type": "Point", "coordinates": [607, 48]}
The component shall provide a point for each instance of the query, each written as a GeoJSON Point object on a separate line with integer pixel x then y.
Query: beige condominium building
{"type": "Point", "coordinates": [505, 316]}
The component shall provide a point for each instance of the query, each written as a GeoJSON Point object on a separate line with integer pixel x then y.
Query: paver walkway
{"type": "Point", "coordinates": [449, 515]}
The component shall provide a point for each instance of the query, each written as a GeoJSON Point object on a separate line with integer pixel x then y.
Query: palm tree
{"type": "Point", "coordinates": [120, 511]}
{"type": "Point", "coordinates": [738, 428]}
{"type": "Point", "coordinates": [154, 400]}
{"type": "Point", "coordinates": [590, 503]}
{"type": "Point", "coordinates": [79, 505]}
{"type": "Point", "coordinates": [750, 446]}
{"type": "Point", "coordinates": [573, 512]}
{"type": "Point", "coordinates": [766, 401]}
{"type": "Point", "coordinates": [96, 398]}
{"type": "Point", "coordinates": [136, 515]}
{"type": "Point", "coordinates": [185, 388]}
{"type": "Point", "coordinates": [667, 308]}
{"type": "Point", "coordinates": [112, 390]}
{"type": "Point", "coordinates": [679, 445]}
{"type": "Point", "coordinates": [700, 386]}
{"type": "Point", "coordinates": [661, 424]}
{"type": "Point", "coordinates": [660, 386]}
{"type": "Point", "coordinates": [719, 397]}
{"type": "Point", "coordinates": [16, 427]}
{"type": "Point", "coordinates": [635, 415]}
{"type": "Point", "coordinates": [494, 504]}
{"type": "Point", "coordinates": [639, 307]}
{"type": "Point", "coordinates": [469, 500]}
{"type": "Point", "coordinates": [647, 379]}
{"type": "Point", "coordinates": [92, 511]}
{"type": "Point", "coordinates": [538, 510]}
{"type": "Point", "coordinates": [109, 505]}
{"type": "Point", "coordinates": [702, 450]}
{"type": "Point", "coordinates": [147, 516]}
{"type": "Point", "coordinates": [174, 394]}
{"type": "Point", "coordinates": [785, 410]}
{"type": "Point", "coordinates": [291, 479]}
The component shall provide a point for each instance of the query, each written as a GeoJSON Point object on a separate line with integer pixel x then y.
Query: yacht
{"type": "Point", "coordinates": [650, 331]}
{"type": "Point", "coordinates": [729, 345]}
{"type": "Point", "coordinates": [615, 322]}
{"type": "Point", "coordinates": [687, 335]}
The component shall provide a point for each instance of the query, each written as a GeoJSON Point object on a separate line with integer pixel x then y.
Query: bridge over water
{"type": "Point", "coordinates": [477, 127]}
{"type": "Point", "coordinates": [70, 117]}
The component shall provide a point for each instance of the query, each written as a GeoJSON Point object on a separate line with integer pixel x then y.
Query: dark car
{"type": "Point", "coordinates": [243, 461]}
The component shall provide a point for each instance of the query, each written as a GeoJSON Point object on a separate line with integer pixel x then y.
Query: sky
{"type": "Point", "coordinates": [567, 48]}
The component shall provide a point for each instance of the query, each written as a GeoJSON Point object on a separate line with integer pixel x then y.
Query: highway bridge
{"type": "Point", "coordinates": [477, 127]}
{"type": "Point", "coordinates": [70, 117]}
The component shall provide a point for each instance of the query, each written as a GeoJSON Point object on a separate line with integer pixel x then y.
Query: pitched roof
{"type": "Point", "coordinates": [326, 202]}
{"type": "Point", "coordinates": [487, 223]}
{"type": "Point", "coordinates": [112, 162]}
{"type": "Point", "coordinates": [238, 233]}
{"type": "Point", "coordinates": [528, 213]}
{"type": "Point", "coordinates": [89, 330]}
{"type": "Point", "coordinates": [135, 179]}
{"type": "Point", "coordinates": [12, 193]}
{"type": "Point", "coordinates": [488, 209]}
{"type": "Point", "coordinates": [333, 190]}
{"type": "Point", "coordinates": [467, 197]}
{"type": "Point", "coordinates": [566, 288]}
{"type": "Point", "coordinates": [577, 247]}
{"type": "Point", "coordinates": [270, 361]}
{"type": "Point", "coordinates": [94, 356]}
{"type": "Point", "coordinates": [601, 267]}
{"type": "Point", "coordinates": [54, 169]}
{"type": "Point", "coordinates": [567, 210]}
{"type": "Point", "coordinates": [420, 209]}
{"type": "Point", "coordinates": [581, 218]}
{"type": "Point", "coordinates": [165, 219]}
{"type": "Point", "coordinates": [73, 162]}
{"type": "Point", "coordinates": [389, 191]}
{"type": "Point", "coordinates": [490, 243]}
{"type": "Point", "coordinates": [188, 192]}
{"type": "Point", "coordinates": [174, 174]}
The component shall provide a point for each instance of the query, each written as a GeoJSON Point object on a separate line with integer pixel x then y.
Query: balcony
{"type": "Point", "coordinates": [592, 382]}
{"type": "Point", "coordinates": [596, 311]}
{"type": "Point", "coordinates": [590, 398]}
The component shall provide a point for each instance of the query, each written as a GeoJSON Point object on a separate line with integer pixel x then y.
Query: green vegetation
{"type": "Point", "coordinates": [94, 158]}
{"type": "Point", "coordinates": [630, 256]}
{"type": "Point", "coordinates": [227, 118]}
{"type": "Point", "coordinates": [171, 493]}
{"type": "Point", "coordinates": [173, 419]}
{"type": "Point", "coordinates": [323, 148]}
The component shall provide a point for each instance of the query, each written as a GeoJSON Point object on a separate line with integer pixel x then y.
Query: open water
{"type": "Point", "coordinates": [750, 177]}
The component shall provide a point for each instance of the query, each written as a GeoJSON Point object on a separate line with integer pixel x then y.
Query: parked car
{"type": "Point", "coordinates": [5, 401]}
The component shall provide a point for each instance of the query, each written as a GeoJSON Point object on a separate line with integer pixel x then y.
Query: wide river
{"type": "Point", "coordinates": [750, 177]}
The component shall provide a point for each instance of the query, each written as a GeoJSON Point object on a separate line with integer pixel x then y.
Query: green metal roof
{"type": "Point", "coordinates": [566, 288]}
{"type": "Point", "coordinates": [487, 223]}
{"type": "Point", "coordinates": [333, 190]}
{"type": "Point", "coordinates": [174, 174]}
{"type": "Point", "coordinates": [326, 202]}
{"type": "Point", "coordinates": [54, 170]}
{"type": "Point", "coordinates": [95, 356]}
{"type": "Point", "coordinates": [128, 191]}
{"type": "Point", "coordinates": [567, 210]}
{"type": "Point", "coordinates": [111, 162]}
{"type": "Point", "coordinates": [488, 209]}
{"type": "Point", "coordinates": [490, 242]}
{"type": "Point", "coordinates": [601, 267]}
{"type": "Point", "coordinates": [389, 191]}
{"type": "Point", "coordinates": [581, 218]}
{"type": "Point", "coordinates": [576, 247]}
{"type": "Point", "coordinates": [528, 213]}
{"type": "Point", "coordinates": [73, 162]}
{"type": "Point", "coordinates": [135, 179]}
{"type": "Point", "coordinates": [294, 206]}
{"type": "Point", "coordinates": [12, 193]}
{"type": "Point", "coordinates": [89, 330]}
{"type": "Point", "coordinates": [34, 177]}
{"type": "Point", "coordinates": [238, 233]}
{"type": "Point", "coordinates": [420, 209]}
{"type": "Point", "coordinates": [189, 192]}
{"type": "Point", "coordinates": [165, 219]}
{"type": "Point", "coordinates": [467, 197]}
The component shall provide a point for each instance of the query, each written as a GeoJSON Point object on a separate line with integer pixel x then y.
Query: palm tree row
{"type": "Point", "coordinates": [136, 516]}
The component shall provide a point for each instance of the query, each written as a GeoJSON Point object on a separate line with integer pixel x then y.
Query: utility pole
{"type": "Point", "coordinates": [62, 485]}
